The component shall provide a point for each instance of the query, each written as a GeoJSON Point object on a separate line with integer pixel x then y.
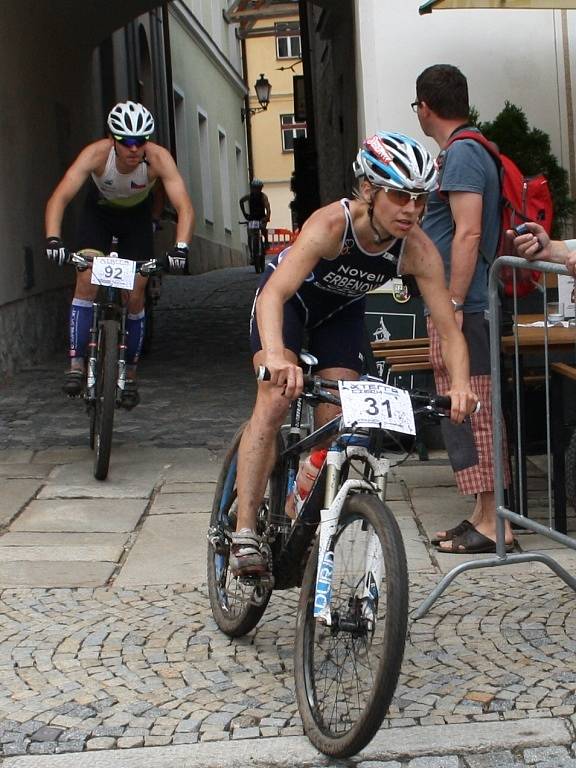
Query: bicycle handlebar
{"type": "Point", "coordinates": [421, 401]}
{"type": "Point", "coordinates": [150, 267]}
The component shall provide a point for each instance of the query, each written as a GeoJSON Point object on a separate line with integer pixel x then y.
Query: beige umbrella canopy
{"type": "Point", "coordinates": [436, 5]}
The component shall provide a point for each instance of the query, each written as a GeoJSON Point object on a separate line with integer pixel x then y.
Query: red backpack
{"type": "Point", "coordinates": [523, 198]}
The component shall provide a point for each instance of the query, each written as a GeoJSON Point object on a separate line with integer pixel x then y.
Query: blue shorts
{"type": "Point", "coordinates": [335, 338]}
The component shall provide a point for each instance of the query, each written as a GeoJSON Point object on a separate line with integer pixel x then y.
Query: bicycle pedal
{"type": "Point", "coordinates": [265, 584]}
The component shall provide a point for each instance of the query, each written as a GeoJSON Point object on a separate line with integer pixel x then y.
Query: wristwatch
{"type": "Point", "coordinates": [457, 306]}
{"type": "Point", "coordinates": [182, 246]}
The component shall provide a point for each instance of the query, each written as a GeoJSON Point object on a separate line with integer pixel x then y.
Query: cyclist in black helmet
{"type": "Point", "coordinates": [123, 170]}
{"type": "Point", "coordinates": [256, 207]}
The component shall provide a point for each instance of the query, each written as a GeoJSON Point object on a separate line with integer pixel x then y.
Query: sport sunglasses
{"type": "Point", "coordinates": [403, 197]}
{"type": "Point", "coordinates": [132, 141]}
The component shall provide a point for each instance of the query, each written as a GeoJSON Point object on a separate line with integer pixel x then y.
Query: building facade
{"type": "Point", "coordinates": [273, 48]}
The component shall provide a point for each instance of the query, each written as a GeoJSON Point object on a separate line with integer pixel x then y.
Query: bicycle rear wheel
{"type": "Point", "coordinates": [237, 604]}
{"type": "Point", "coordinates": [346, 674]}
{"type": "Point", "coordinates": [105, 404]}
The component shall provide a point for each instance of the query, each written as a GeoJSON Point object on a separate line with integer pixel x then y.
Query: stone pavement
{"type": "Point", "coordinates": [108, 652]}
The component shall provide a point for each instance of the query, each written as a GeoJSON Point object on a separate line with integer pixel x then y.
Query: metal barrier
{"type": "Point", "coordinates": [502, 512]}
{"type": "Point", "coordinates": [278, 239]}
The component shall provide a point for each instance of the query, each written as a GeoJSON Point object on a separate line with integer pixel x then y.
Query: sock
{"type": "Point", "coordinates": [135, 330]}
{"type": "Point", "coordinates": [80, 322]}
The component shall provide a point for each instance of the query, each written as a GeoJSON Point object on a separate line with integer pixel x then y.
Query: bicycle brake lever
{"type": "Point", "coordinates": [149, 267]}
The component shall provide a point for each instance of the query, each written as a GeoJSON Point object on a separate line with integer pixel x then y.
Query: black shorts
{"type": "Point", "coordinates": [336, 340]}
{"type": "Point", "coordinates": [132, 226]}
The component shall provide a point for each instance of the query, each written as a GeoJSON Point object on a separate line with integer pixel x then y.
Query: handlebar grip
{"type": "Point", "coordinates": [441, 401]}
{"type": "Point", "coordinates": [263, 373]}
{"type": "Point", "coordinates": [444, 402]}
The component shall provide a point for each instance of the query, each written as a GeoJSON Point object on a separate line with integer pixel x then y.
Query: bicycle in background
{"type": "Point", "coordinates": [344, 550]}
{"type": "Point", "coordinates": [106, 361]}
{"type": "Point", "coordinates": [256, 243]}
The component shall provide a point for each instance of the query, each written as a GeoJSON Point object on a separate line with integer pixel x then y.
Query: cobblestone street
{"type": "Point", "coordinates": [107, 644]}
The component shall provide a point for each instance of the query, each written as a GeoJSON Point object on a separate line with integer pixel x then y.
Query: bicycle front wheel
{"type": "Point", "coordinates": [106, 378]}
{"type": "Point", "coordinates": [346, 673]}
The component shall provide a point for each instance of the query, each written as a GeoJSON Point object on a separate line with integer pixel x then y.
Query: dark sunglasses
{"type": "Point", "coordinates": [131, 141]}
{"type": "Point", "coordinates": [402, 197]}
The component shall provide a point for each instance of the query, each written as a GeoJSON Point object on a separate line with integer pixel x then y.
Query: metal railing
{"type": "Point", "coordinates": [502, 512]}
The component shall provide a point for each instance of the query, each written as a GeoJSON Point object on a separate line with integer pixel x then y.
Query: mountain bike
{"type": "Point", "coordinates": [256, 244]}
{"type": "Point", "coordinates": [353, 610]}
{"type": "Point", "coordinates": [106, 359]}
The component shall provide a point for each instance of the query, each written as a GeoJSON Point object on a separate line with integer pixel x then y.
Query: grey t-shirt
{"type": "Point", "coordinates": [467, 167]}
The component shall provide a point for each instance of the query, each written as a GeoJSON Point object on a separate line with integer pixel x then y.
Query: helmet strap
{"type": "Point", "coordinates": [378, 238]}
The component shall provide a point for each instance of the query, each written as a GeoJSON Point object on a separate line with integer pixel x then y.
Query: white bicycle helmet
{"type": "Point", "coordinates": [131, 120]}
{"type": "Point", "coordinates": [395, 160]}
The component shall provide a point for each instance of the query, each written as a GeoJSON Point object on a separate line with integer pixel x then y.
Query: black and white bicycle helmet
{"type": "Point", "coordinates": [130, 119]}
{"type": "Point", "coordinates": [389, 159]}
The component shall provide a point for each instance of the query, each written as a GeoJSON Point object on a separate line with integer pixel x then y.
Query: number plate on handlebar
{"type": "Point", "coordinates": [375, 404]}
{"type": "Point", "coordinates": [254, 224]}
{"type": "Point", "coordinates": [114, 272]}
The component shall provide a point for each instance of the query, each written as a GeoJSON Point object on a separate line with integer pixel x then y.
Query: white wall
{"type": "Point", "coordinates": [506, 55]}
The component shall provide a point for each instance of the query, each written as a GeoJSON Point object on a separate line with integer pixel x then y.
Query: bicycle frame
{"type": "Point", "coordinates": [108, 305]}
{"type": "Point", "coordinates": [327, 496]}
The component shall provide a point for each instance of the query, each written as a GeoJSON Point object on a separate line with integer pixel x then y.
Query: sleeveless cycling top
{"type": "Point", "coordinates": [336, 283]}
{"type": "Point", "coordinates": [122, 190]}
{"type": "Point", "coordinates": [256, 207]}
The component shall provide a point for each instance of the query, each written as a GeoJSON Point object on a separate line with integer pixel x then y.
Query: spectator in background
{"type": "Point", "coordinates": [463, 220]}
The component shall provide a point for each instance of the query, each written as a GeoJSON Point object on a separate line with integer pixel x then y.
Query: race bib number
{"type": "Point", "coordinates": [113, 272]}
{"type": "Point", "coordinates": [375, 404]}
{"type": "Point", "coordinates": [254, 224]}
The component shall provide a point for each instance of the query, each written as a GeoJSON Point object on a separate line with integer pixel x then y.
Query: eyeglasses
{"type": "Point", "coordinates": [415, 105]}
{"type": "Point", "coordinates": [402, 197]}
{"type": "Point", "coordinates": [131, 141]}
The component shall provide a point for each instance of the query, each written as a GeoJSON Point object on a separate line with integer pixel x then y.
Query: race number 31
{"type": "Point", "coordinates": [375, 404]}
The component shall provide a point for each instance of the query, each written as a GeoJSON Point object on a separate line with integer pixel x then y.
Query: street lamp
{"type": "Point", "coordinates": [263, 88]}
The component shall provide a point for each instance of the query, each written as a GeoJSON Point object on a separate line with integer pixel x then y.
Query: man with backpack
{"type": "Point", "coordinates": [463, 219]}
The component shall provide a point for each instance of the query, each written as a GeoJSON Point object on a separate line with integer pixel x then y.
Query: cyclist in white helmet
{"type": "Point", "coordinates": [122, 172]}
{"type": "Point", "coordinates": [317, 287]}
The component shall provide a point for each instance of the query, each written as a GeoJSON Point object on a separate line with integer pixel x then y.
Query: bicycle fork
{"type": "Point", "coordinates": [335, 496]}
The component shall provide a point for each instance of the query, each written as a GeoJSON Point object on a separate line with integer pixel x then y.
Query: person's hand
{"type": "Point", "coordinates": [286, 375]}
{"type": "Point", "coordinates": [176, 259]}
{"type": "Point", "coordinates": [570, 263]}
{"type": "Point", "coordinates": [56, 250]}
{"type": "Point", "coordinates": [534, 245]}
{"type": "Point", "coordinates": [464, 402]}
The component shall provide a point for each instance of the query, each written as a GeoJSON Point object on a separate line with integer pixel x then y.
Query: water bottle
{"type": "Point", "coordinates": [305, 478]}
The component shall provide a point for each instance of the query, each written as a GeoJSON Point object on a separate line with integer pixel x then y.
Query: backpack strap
{"type": "Point", "coordinates": [478, 137]}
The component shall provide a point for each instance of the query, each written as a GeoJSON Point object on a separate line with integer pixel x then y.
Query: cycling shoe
{"type": "Point", "coordinates": [130, 396]}
{"type": "Point", "coordinates": [73, 382]}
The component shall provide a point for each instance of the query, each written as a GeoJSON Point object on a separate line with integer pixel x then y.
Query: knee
{"type": "Point", "coordinates": [84, 288]}
{"type": "Point", "coordinates": [271, 408]}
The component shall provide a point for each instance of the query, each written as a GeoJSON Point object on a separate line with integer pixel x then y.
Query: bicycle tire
{"type": "Point", "coordinates": [570, 470]}
{"type": "Point", "coordinates": [233, 601]}
{"type": "Point", "coordinates": [345, 678]}
{"type": "Point", "coordinates": [92, 413]}
{"type": "Point", "coordinates": [259, 256]}
{"type": "Point", "coordinates": [106, 379]}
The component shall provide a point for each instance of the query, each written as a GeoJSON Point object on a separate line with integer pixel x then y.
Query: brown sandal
{"type": "Point", "coordinates": [458, 530]}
